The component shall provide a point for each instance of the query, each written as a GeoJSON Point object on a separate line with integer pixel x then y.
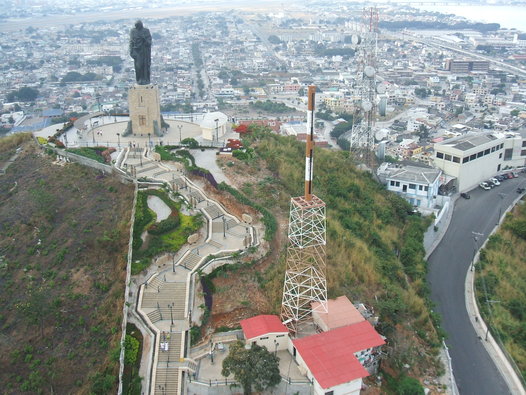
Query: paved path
{"type": "Point", "coordinates": [165, 300]}
{"type": "Point", "coordinates": [474, 368]}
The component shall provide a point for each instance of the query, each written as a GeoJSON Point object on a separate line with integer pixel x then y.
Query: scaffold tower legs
{"type": "Point", "coordinates": [305, 278]}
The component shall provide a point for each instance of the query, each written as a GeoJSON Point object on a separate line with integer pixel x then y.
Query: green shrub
{"type": "Point", "coordinates": [131, 349]}
{"type": "Point", "coordinates": [166, 225]}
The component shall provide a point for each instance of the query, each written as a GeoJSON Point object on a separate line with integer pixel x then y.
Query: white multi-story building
{"type": "Point", "coordinates": [475, 157]}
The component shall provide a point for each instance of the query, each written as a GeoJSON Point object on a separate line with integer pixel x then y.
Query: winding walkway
{"type": "Point", "coordinates": [165, 300]}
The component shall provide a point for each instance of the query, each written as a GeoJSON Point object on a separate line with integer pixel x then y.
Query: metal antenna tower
{"type": "Point", "coordinates": [305, 280]}
{"type": "Point", "coordinates": [362, 134]}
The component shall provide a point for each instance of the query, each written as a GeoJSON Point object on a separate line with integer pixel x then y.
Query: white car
{"type": "Point", "coordinates": [494, 181]}
{"type": "Point", "coordinates": [484, 186]}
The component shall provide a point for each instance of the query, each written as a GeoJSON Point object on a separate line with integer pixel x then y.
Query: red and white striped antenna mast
{"type": "Point", "coordinates": [305, 280]}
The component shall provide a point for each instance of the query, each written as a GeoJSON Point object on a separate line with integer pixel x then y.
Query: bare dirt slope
{"type": "Point", "coordinates": [62, 269]}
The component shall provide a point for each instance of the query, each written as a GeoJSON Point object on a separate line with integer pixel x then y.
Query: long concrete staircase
{"type": "Point", "coordinates": [163, 299]}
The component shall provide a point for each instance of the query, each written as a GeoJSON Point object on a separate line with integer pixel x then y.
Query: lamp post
{"type": "Point", "coordinates": [224, 226]}
{"type": "Point", "coordinates": [119, 140]}
{"type": "Point", "coordinates": [171, 315]}
{"type": "Point", "coordinates": [180, 136]}
{"type": "Point", "coordinates": [217, 129]}
{"type": "Point", "coordinates": [149, 141]}
{"type": "Point", "coordinates": [97, 97]}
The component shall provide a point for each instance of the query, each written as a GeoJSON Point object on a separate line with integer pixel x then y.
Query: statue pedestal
{"type": "Point", "coordinates": [145, 110]}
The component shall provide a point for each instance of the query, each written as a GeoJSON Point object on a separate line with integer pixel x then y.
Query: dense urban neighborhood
{"type": "Point", "coordinates": [223, 198]}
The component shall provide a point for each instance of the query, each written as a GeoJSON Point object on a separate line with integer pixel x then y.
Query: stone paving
{"type": "Point", "coordinates": [166, 297]}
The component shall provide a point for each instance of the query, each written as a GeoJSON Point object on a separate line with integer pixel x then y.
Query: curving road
{"type": "Point", "coordinates": [474, 371]}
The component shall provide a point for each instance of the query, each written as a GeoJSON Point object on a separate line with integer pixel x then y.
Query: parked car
{"type": "Point", "coordinates": [495, 181]}
{"type": "Point", "coordinates": [515, 174]}
{"type": "Point", "coordinates": [490, 184]}
{"type": "Point", "coordinates": [500, 177]}
{"type": "Point", "coordinates": [509, 175]}
{"type": "Point", "coordinates": [465, 195]}
{"type": "Point", "coordinates": [485, 186]}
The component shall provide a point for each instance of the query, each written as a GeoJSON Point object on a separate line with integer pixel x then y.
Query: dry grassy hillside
{"type": "Point", "coordinates": [63, 248]}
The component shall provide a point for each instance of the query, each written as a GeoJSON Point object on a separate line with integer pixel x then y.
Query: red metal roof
{"type": "Point", "coordinates": [330, 355]}
{"type": "Point", "coordinates": [261, 325]}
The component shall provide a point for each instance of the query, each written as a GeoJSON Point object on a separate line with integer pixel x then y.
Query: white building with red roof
{"type": "Point", "coordinates": [266, 330]}
{"type": "Point", "coordinates": [333, 360]}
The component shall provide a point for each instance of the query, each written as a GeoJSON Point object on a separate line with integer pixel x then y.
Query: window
{"type": "Point", "coordinates": [447, 157]}
{"type": "Point", "coordinates": [508, 153]}
{"type": "Point", "coordinates": [456, 159]}
{"type": "Point", "coordinates": [498, 168]}
{"type": "Point", "coordinates": [329, 393]}
{"type": "Point", "coordinates": [426, 188]}
{"type": "Point", "coordinates": [500, 155]}
{"type": "Point", "coordinates": [492, 149]}
{"type": "Point", "coordinates": [397, 183]}
{"type": "Point", "coordinates": [412, 186]}
{"type": "Point", "coordinates": [263, 338]}
{"type": "Point", "coordinates": [487, 152]}
{"type": "Point", "coordinates": [480, 154]}
{"type": "Point", "coordinates": [524, 143]}
{"type": "Point", "coordinates": [420, 187]}
{"type": "Point", "coordinates": [440, 155]}
{"type": "Point", "coordinates": [523, 152]}
{"type": "Point", "coordinates": [280, 336]}
{"type": "Point", "coordinates": [472, 157]}
{"type": "Point", "coordinates": [502, 146]}
{"type": "Point", "coordinates": [465, 160]}
{"type": "Point", "coordinates": [392, 183]}
{"type": "Point", "coordinates": [142, 120]}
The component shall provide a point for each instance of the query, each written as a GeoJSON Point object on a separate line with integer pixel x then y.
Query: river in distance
{"type": "Point", "coordinates": [510, 17]}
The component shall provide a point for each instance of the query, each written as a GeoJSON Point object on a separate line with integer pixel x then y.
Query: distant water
{"type": "Point", "coordinates": [507, 16]}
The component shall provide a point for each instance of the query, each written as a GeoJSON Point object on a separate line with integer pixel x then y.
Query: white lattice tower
{"type": "Point", "coordinates": [362, 134]}
{"type": "Point", "coordinates": [305, 280]}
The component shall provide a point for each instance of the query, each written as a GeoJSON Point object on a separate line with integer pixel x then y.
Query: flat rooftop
{"type": "Point", "coordinates": [470, 140]}
{"type": "Point", "coordinates": [416, 174]}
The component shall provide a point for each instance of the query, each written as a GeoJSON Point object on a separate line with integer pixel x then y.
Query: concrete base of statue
{"type": "Point", "coordinates": [145, 110]}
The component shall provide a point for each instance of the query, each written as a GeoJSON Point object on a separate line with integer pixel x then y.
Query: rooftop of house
{"type": "Point", "coordinates": [410, 173]}
{"type": "Point", "coordinates": [261, 325]}
{"type": "Point", "coordinates": [330, 355]}
{"type": "Point", "coordinates": [340, 312]}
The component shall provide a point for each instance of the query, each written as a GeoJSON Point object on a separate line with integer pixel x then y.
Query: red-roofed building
{"type": "Point", "coordinates": [267, 331]}
{"type": "Point", "coordinates": [336, 360]}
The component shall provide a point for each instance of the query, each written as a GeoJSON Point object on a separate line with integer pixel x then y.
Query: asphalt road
{"type": "Point", "coordinates": [474, 371]}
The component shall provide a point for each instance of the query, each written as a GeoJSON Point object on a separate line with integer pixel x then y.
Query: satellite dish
{"type": "Point", "coordinates": [367, 106]}
{"type": "Point", "coordinates": [356, 39]}
{"type": "Point", "coordinates": [381, 88]}
{"type": "Point", "coordinates": [369, 71]}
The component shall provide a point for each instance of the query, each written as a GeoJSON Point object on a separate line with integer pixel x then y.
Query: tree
{"type": "Point", "coordinates": [23, 94]}
{"type": "Point", "coordinates": [255, 368]}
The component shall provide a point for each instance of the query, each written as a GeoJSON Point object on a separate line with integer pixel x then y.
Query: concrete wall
{"type": "Point", "coordinates": [143, 102]}
{"type": "Point", "coordinates": [272, 341]}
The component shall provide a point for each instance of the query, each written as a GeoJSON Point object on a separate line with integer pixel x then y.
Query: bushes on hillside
{"type": "Point", "coordinates": [166, 225]}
